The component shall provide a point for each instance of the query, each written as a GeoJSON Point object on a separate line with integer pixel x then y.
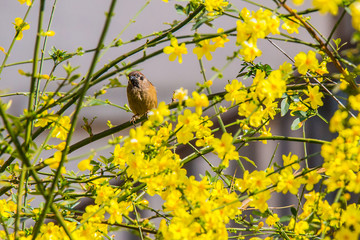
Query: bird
{"type": "Point", "coordinates": [141, 95]}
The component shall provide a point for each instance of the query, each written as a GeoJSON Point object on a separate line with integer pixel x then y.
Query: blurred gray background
{"type": "Point", "coordinates": [78, 23]}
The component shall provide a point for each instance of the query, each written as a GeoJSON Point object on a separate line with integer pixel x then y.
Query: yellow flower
{"type": "Point", "coordinates": [180, 94]}
{"type": "Point", "coordinates": [337, 121]}
{"type": "Point", "coordinates": [300, 227]}
{"type": "Point", "coordinates": [7, 208]}
{"type": "Point", "coordinates": [351, 216]}
{"type": "Point", "coordinates": [103, 195]}
{"type": "Point", "coordinates": [314, 97]}
{"type": "Point", "coordinates": [287, 182]}
{"type": "Point", "coordinates": [241, 32]}
{"type": "Point", "coordinates": [158, 114]}
{"type": "Point", "coordinates": [272, 219]}
{"type": "Point", "coordinates": [265, 133]}
{"type": "Point", "coordinates": [273, 87]}
{"type": "Point", "coordinates": [85, 165]}
{"type": "Point", "coordinates": [175, 50]}
{"type": "Point", "coordinates": [60, 146]}
{"type": "Point", "coordinates": [45, 119]}
{"type": "Point", "coordinates": [48, 33]}
{"type": "Point", "coordinates": [355, 102]}
{"type": "Point", "coordinates": [3, 50]}
{"type": "Point", "coordinates": [137, 139]}
{"type": "Point", "coordinates": [216, 5]}
{"type": "Point", "coordinates": [259, 200]}
{"type": "Point", "coordinates": [225, 149]}
{"type": "Point", "coordinates": [61, 128]}
{"type": "Point", "coordinates": [249, 51]}
{"type": "Point", "coordinates": [355, 13]}
{"type": "Point", "coordinates": [117, 209]}
{"type": "Point", "coordinates": [55, 161]}
{"type": "Point", "coordinates": [305, 62]}
{"type": "Point", "coordinates": [297, 106]}
{"type": "Point", "coordinates": [312, 178]}
{"type": "Point", "coordinates": [235, 91]}
{"type": "Point", "coordinates": [290, 160]}
{"type": "Point", "coordinates": [326, 6]}
{"type": "Point", "coordinates": [345, 233]}
{"type": "Point", "coordinates": [322, 69]}
{"type": "Point", "coordinates": [273, 25]}
{"type": "Point", "coordinates": [298, 2]}
{"type": "Point", "coordinates": [291, 25]}
{"type": "Point", "coordinates": [28, 2]}
{"type": "Point", "coordinates": [20, 26]}
{"type": "Point", "coordinates": [208, 83]}
{"type": "Point", "coordinates": [93, 213]}
{"type": "Point", "coordinates": [198, 101]}
{"type": "Point", "coordinates": [221, 40]}
{"type": "Point", "coordinates": [204, 49]}
{"type": "Point", "coordinates": [286, 69]}
{"type": "Point", "coordinates": [120, 156]}
{"type": "Point", "coordinates": [187, 123]}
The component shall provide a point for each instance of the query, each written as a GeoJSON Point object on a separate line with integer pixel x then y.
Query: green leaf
{"type": "Point", "coordinates": [337, 42]}
{"type": "Point", "coordinates": [248, 160]}
{"type": "Point", "coordinates": [70, 190]}
{"type": "Point", "coordinates": [297, 123]}
{"type": "Point", "coordinates": [95, 102]}
{"type": "Point", "coordinates": [228, 179]}
{"type": "Point", "coordinates": [74, 77]}
{"type": "Point", "coordinates": [284, 106]}
{"type": "Point", "coordinates": [293, 211]}
{"type": "Point", "coordinates": [199, 22]}
{"type": "Point", "coordinates": [180, 9]}
{"type": "Point", "coordinates": [285, 218]}
{"type": "Point", "coordinates": [58, 55]}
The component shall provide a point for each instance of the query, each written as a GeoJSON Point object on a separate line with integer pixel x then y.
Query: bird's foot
{"type": "Point", "coordinates": [134, 118]}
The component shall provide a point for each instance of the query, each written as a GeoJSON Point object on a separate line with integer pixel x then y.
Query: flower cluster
{"type": "Point", "coordinates": [254, 26]}
{"type": "Point", "coordinates": [205, 47]}
{"type": "Point", "coordinates": [187, 200]}
{"type": "Point", "coordinates": [341, 156]}
{"type": "Point", "coordinates": [215, 5]}
{"type": "Point", "coordinates": [258, 102]}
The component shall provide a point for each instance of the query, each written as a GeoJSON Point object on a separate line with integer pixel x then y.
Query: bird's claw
{"type": "Point", "coordinates": [134, 118]}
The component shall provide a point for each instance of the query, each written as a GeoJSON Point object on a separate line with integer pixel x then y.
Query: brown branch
{"type": "Point", "coordinates": [322, 44]}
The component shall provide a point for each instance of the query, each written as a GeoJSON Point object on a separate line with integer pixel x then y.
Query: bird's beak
{"type": "Point", "coordinates": [134, 81]}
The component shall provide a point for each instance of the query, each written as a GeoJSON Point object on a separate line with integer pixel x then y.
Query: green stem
{"type": "Point", "coordinates": [137, 222]}
{"type": "Point", "coordinates": [29, 122]}
{"type": "Point", "coordinates": [5, 228]}
{"type": "Point", "coordinates": [221, 123]}
{"type": "Point", "coordinates": [281, 138]}
{"type": "Point", "coordinates": [43, 55]}
{"type": "Point", "coordinates": [19, 201]}
{"type": "Point", "coordinates": [335, 27]}
{"type": "Point", "coordinates": [305, 149]}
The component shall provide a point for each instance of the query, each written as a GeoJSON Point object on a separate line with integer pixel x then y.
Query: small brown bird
{"type": "Point", "coordinates": [141, 95]}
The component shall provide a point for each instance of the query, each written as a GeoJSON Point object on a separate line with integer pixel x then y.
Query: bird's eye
{"type": "Point", "coordinates": [142, 78]}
